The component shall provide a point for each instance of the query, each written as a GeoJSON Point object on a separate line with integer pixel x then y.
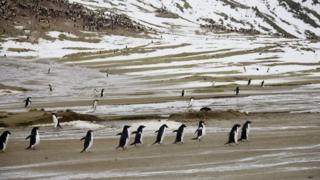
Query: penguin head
{"type": "Point", "coordinates": [142, 126]}
{"type": "Point", "coordinates": [126, 126]}
{"type": "Point", "coordinates": [183, 126]}
{"type": "Point", "coordinates": [35, 129]}
{"type": "Point", "coordinates": [248, 122]}
{"type": "Point", "coordinates": [237, 126]}
{"type": "Point", "coordinates": [164, 126]}
{"type": "Point", "coordinates": [89, 131]}
{"type": "Point", "coordinates": [201, 123]}
{"type": "Point", "coordinates": [7, 132]}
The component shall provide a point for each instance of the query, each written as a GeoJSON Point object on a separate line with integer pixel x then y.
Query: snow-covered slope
{"type": "Point", "coordinates": [290, 18]}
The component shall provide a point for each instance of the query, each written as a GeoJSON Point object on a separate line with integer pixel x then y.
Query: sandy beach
{"type": "Point", "coordinates": [281, 146]}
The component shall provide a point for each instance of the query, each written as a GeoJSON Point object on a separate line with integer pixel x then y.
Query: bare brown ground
{"type": "Point", "coordinates": [291, 153]}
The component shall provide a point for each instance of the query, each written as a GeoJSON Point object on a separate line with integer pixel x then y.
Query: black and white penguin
{"type": "Point", "coordinates": [205, 109]}
{"type": "Point", "coordinates": [50, 87]}
{"type": "Point", "coordinates": [201, 131]}
{"type": "Point", "coordinates": [237, 90]}
{"type": "Point", "coordinates": [139, 136]}
{"type": "Point", "coordinates": [160, 135]}
{"type": "Point", "coordinates": [191, 101]}
{"type": "Point", "coordinates": [245, 131]}
{"type": "Point", "coordinates": [95, 104]}
{"type": "Point", "coordinates": [182, 93]}
{"type": "Point", "coordinates": [249, 82]}
{"type": "Point", "coordinates": [124, 137]}
{"type": "Point", "coordinates": [233, 134]}
{"type": "Point", "coordinates": [102, 93]}
{"type": "Point", "coordinates": [27, 102]}
{"type": "Point", "coordinates": [88, 141]}
{"type": "Point", "coordinates": [4, 140]}
{"type": "Point", "coordinates": [262, 84]}
{"type": "Point", "coordinates": [55, 120]}
{"type": "Point", "coordinates": [34, 138]}
{"type": "Point", "coordinates": [180, 134]}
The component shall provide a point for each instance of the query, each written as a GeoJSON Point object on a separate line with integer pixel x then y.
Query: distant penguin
{"type": "Point", "coordinates": [160, 135]}
{"type": "Point", "coordinates": [205, 109]}
{"type": "Point", "coordinates": [237, 90]}
{"type": "Point", "coordinates": [139, 136]}
{"type": "Point", "coordinates": [34, 138]}
{"type": "Point", "coordinates": [102, 93]}
{"type": "Point", "coordinates": [249, 82]}
{"type": "Point", "coordinates": [95, 104]}
{"type": "Point", "coordinates": [262, 84]}
{"type": "Point", "coordinates": [180, 134]}
{"type": "Point", "coordinates": [124, 137]}
{"type": "Point", "coordinates": [201, 131]}
{"type": "Point", "coordinates": [50, 87]}
{"type": "Point", "coordinates": [245, 131]}
{"type": "Point", "coordinates": [49, 70]}
{"type": "Point", "coordinates": [233, 134]}
{"type": "Point", "coordinates": [245, 69]}
{"type": "Point", "coordinates": [27, 102]}
{"type": "Point", "coordinates": [55, 120]}
{"type": "Point", "coordinates": [88, 141]}
{"type": "Point", "coordinates": [268, 69]}
{"type": "Point", "coordinates": [191, 101]}
{"type": "Point", "coordinates": [4, 140]}
{"type": "Point", "coordinates": [182, 93]}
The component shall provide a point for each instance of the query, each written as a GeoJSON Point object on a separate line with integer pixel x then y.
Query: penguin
{"type": "Point", "coordinates": [205, 109]}
{"type": "Point", "coordinates": [233, 134]}
{"type": "Point", "coordinates": [55, 120]}
{"type": "Point", "coordinates": [249, 82]}
{"type": "Point", "coordinates": [191, 102]}
{"type": "Point", "coordinates": [139, 135]}
{"type": "Point", "coordinates": [49, 70]}
{"type": "Point", "coordinates": [101, 93]}
{"type": "Point", "coordinates": [95, 104]}
{"type": "Point", "coordinates": [182, 93]}
{"type": "Point", "coordinates": [50, 87]}
{"type": "Point", "coordinates": [4, 140]}
{"type": "Point", "coordinates": [201, 131]}
{"type": "Point", "coordinates": [124, 137]}
{"type": "Point", "coordinates": [245, 131]}
{"type": "Point", "coordinates": [180, 134]}
{"type": "Point", "coordinates": [262, 84]}
{"type": "Point", "coordinates": [27, 102]}
{"type": "Point", "coordinates": [237, 90]}
{"type": "Point", "coordinates": [160, 135]}
{"type": "Point", "coordinates": [34, 138]}
{"type": "Point", "coordinates": [88, 141]}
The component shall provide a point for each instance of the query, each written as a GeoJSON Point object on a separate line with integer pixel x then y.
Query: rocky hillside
{"type": "Point", "coordinates": [36, 17]}
{"type": "Point", "coordinates": [288, 18]}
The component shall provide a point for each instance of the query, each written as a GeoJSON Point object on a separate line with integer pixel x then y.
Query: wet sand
{"type": "Point", "coordinates": [281, 146]}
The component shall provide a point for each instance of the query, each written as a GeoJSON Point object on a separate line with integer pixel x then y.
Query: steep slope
{"type": "Point", "coordinates": [288, 18]}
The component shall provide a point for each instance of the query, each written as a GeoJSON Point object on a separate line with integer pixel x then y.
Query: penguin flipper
{"type": "Point", "coordinates": [156, 131]}
{"type": "Point", "coordinates": [119, 134]}
{"type": "Point", "coordinates": [82, 138]}
{"type": "Point", "coordinates": [134, 132]}
{"type": "Point", "coordinates": [28, 137]}
{"type": "Point", "coordinates": [175, 131]}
